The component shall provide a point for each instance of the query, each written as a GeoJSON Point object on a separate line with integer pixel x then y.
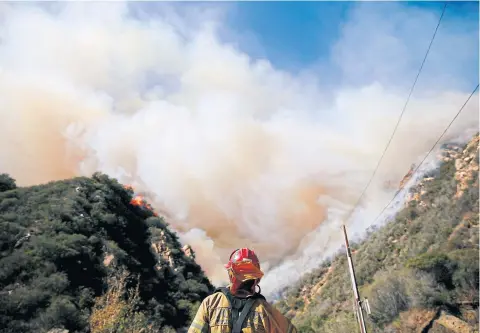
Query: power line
{"type": "Point", "coordinates": [401, 115]}
{"type": "Point", "coordinates": [429, 152]}
{"type": "Point", "coordinates": [358, 302]}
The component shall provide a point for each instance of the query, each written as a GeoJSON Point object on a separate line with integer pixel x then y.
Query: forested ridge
{"type": "Point", "coordinates": [77, 255]}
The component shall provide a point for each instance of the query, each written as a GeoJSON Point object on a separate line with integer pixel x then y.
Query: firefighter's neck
{"type": "Point", "coordinates": [242, 293]}
{"type": "Point", "coordinates": [244, 290]}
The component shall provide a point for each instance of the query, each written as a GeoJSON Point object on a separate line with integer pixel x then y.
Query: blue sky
{"type": "Point", "coordinates": [293, 35]}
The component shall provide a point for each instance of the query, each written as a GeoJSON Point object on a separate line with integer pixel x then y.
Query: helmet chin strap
{"type": "Point", "coordinates": [259, 289]}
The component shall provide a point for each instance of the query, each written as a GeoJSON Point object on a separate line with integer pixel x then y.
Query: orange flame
{"type": "Point", "coordinates": [139, 200]}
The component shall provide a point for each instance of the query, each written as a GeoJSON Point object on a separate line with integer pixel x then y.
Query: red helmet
{"type": "Point", "coordinates": [243, 265]}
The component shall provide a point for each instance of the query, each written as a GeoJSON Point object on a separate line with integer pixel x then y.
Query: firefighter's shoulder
{"type": "Point", "coordinates": [215, 300]}
{"type": "Point", "coordinates": [274, 319]}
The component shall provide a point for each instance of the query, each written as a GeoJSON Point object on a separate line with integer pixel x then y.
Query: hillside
{"type": "Point", "coordinates": [419, 271]}
{"type": "Point", "coordinates": [80, 256]}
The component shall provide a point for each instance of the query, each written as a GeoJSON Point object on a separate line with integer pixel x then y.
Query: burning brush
{"type": "Point", "coordinates": [139, 200]}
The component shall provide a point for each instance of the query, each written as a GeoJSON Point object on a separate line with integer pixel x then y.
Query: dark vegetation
{"type": "Point", "coordinates": [425, 259]}
{"type": "Point", "coordinates": [53, 241]}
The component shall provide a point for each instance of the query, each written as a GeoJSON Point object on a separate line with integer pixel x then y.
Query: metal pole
{"type": "Point", "coordinates": [358, 304]}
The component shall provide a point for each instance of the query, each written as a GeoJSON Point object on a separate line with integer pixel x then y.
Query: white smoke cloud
{"type": "Point", "coordinates": [235, 151]}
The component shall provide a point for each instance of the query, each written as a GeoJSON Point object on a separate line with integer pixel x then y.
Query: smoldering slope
{"type": "Point", "coordinates": [232, 150]}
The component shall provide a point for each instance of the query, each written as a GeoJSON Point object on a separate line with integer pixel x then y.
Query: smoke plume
{"type": "Point", "coordinates": [234, 151]}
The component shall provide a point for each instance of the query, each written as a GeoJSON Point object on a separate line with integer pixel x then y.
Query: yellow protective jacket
{"type": "Point", "coordinates": [214, 313]}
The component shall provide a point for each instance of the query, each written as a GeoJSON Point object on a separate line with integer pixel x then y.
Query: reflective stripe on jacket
{"type": "Point", "coordinates": [214, 313]}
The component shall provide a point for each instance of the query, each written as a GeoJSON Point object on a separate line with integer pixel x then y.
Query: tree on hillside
{"type": "Point", "coordinates": [7, 183]}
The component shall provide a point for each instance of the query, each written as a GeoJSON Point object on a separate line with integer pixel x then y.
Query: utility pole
{"type": "Point", "coordinates": [358, 302]}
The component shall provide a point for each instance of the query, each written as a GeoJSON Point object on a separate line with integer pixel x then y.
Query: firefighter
{"type": "Point", "coordinates": [238, 308]}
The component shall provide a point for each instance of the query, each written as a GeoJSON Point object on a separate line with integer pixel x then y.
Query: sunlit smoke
{"type": "Point", "coordinates": [233, 151]}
